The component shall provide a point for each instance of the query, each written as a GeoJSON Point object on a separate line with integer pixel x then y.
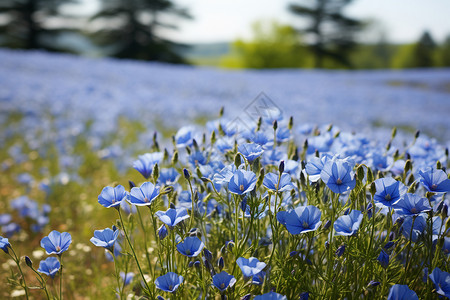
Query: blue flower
{"type": "Point", "coordinates": [105, 238]}
{"type": "Point", "coordinates": [420, 224]}
{"type": "Point", "coordinates": [56, 242]}
{"type": "Point", "coordinates": [112, 197]}
{"type": "Point", "coordinates": [168, 176]}
{"type": "Point", "coordinates": [223, 281]}
{"type": "Point", "coordinates": [383, 259]}
{"type": "Point", "coordinates": [242, 182]}
{"type": "Point", "coordinates": [349, 224]}
{"type": "Point", "coordinates": [258, 279]}
{"type": "Point", "coordinates": [435, 180]}
{"type": "Point", "coordinates": [250, 266]}
{"type": "Point", "coordinates": [271, 182]}
{"type": "Point", "coordinates": [412, 204]}
{"type": "Point", "coordinates": [49, 267]}
{"type": "Point", "coordinates": [126, 277]}
{"type": "Point", "coordinates": [338, 176]}
{"type": "Point", "coordinates": [441, 282]}
{"type": "Point", "coordinates": [315, 165]}
{"type": "Point", "coordinates": [401, 292]}
{"type": "Point", "coordinates": [270, 296]}
{"type": "Point", "coordinates": [145, 163]}
{"type": "Point", "coordinates": [143, 195]}
{"type": "Point", "coordinates": [300, 220]}
{"type": "Point", "coordinates": [4, 244]}
{"type": "Point", "coordinates": [389, 191]}
{"type": "Point", "coordinates": [191, 246]}
{"type": "Point", "coordinates": [250, 151]}
{"type": "Point", "coordinates": [169, 282]}
{"type": "Point", "coordinates": [172, 217]}
{"type": "Point", "coordinates": [446, 246]}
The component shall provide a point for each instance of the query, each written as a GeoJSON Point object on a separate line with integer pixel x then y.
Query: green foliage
{"type": "Point", "coordinates": [274, 45]}
{"type": "Point", "coordinates": [332, 33]}
{"type": "Point", "coordinates": [135, 30]}
{"type": "Point", "coordinates": [24, 24]}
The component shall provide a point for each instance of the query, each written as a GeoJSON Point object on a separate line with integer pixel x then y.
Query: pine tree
{"type": "Point", "coordinates": [132, 29]}
{"type": "Point", "coordinates": [26, 23]}
{"type": "Point", "coordinates": [424, 51]}
{"type": "Point", "coordinates": [332, 34]}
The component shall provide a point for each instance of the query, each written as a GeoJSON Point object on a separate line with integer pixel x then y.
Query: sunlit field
{"type": "Point", "coordinates": [220, 184]}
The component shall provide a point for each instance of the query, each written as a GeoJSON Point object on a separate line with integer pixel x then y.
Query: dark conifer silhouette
{"type": "Point", "coordinates": [132, 29]}
{"type": "Point", "coordinates": [331, 33]}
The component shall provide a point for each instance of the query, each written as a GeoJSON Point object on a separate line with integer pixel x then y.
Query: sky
{"type": "Point", "coordinates": [402, 21]}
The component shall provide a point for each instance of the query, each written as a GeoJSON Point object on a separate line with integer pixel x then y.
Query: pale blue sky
{"type": "Point", "coordinates": [225, 20]}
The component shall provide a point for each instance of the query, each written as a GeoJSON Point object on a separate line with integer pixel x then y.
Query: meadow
{"type": "Point", "coordinates": [144, 180]}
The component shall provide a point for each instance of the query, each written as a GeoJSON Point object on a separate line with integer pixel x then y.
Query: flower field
{"type": "Point", "coordinates": [134, 180]}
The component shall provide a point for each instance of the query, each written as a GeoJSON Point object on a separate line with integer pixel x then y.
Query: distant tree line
{"type": "Point", "coordinates": [124, 28]}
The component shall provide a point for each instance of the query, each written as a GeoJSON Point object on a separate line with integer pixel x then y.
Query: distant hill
{"type": "Point", "coordinates": [206, 53]}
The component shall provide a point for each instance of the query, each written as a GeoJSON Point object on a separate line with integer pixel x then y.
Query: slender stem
{"type": "Point", "coordinates": [117, 276]}
{"type": "Point", "coordinates": [42, 282]}
{"type": "Point", "coordinates": [17, 261]}
{"type": "Point", "coordinates": [192, 209]}
{"type": "Point", "coordinates": [141, 222]}
{"type": "Point", "coordinates": [132, 250]}
{"type": "Point", "coordinates": [60, 277]}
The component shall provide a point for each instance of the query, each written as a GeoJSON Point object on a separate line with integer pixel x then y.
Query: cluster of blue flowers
{"type": "Point", "coordinates": [243, 209]}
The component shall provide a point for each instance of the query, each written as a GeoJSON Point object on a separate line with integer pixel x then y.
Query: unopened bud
{"type": "Point", "coordinates": [186, 174]}
{"type": "Point", "coordinates": [340, 251]}
{"type": "Point", "coordinates": [220, 263]}
{"type": "Point", "coordinates": [28, 262]}
{"type": "Point", "coordinates": [281, 167]}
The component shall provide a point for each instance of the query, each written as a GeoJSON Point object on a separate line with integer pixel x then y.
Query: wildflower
{"type": "Point", "coordinates": [242, 182]}
{"type": "Point", "coordinates": [172, 217]}
{"type": "Point", "coordinates": [56, 242]}
{"type": "Point", "coordinates": [315, 165]}
{"type": "Point", "coordinates": [126, 277]}
{"type": "Point", "coordinates": [145, 163]}
{"type": "Point", "coordinates": [191, 246]}
{"type": "Point", "coordinates": [143, 195]}
{"type": "Point", "coordinates": [401, 292]}
{"type": "Point", "coordinates": [258, 279]}
{"type": "Point", "coordinates": [349, 224]}
{"type": "Point", "coordinates": [383, 259]}
{"type": "Point", "coordinates": [441, 281]}
{"type": "Point", "coordinates": [420, 224]}
{"type": "Point", "coordinates": [271, 182]}
{"type": "Point", "coordinates": [388, 191]}
{"type": "Point", "coordinates": [49, 267]}
{"type": "Point", "coordinates": [446, 245]}
{"type": "Point", "coordinates": [338, 176]}
{"type": "Point", "coordinates": [250, 266]}
{"type": "Point", "coordinates": [112, 197]}
{"type": "Point", "coordinates": [270, 296]}
{"type": "Point", "coordinates": [412, 204]}
{"type": "Point", "coordinates": [223, 281]}
{"type": "Point", "coordinates": [4, 244]}
{"type": "Point", "coordinates": [162, 232]}
{"type": "Point", "coordinates": [435, 180]}
{"type": "Point", "coordinates": [300, 220]}
{"type": "Point", "coordinates": [169, 282]}
{"type": "Point", "coordinates": [250, 151]}
{"type": "Point", "coordinates": [105, 238]}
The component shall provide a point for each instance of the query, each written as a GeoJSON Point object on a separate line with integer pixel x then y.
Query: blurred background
{"type": "Point", "coordinates": [331, 34]}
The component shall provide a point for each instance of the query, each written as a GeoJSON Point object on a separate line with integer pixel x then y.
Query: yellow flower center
{"type": "Point", "coordinates": [241, 187]}
{"type": "Point", "coordinates": [338, 181]}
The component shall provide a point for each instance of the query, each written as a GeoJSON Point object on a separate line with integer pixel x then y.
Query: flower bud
{"type": "Point", "coordinates": [304, 296]}
{"type": "Point", "coordinates": [293, 253]}
{"type": "Point", "coordinates": [155, 172]}
{"type": "Point", "coordinates": [389, 245]}
{"type": "Point", "coordinates": [131, 184]}
{"type": "Point", "coordinates": [327, 225]}
{"type": "Point", "coordinates": [175, 157]}
{"type": "Point", "coordinates": [220, 263]}
{"type": "Point", "coordinates": [275, 125]}
{"type": "Point", "coordinates": [186, 174]}
{"type": "Point", "coordinates": [162, 232]}
{"type": "Point", "coordinates": [374, 283]}
{"type": "Point", "coordinates": [417, 134]}
{"type": "Point", "coordinates": [247, 297]}
{"type": "Point", "coordinates": [207, 254]}
{"type": "Point", "coordinates": [291, 123]}
{"type": "Point", "coordinates": [281, 167]}
{"type": "Point", "coordinates": [340, 251]}
{"type": "Point", "coordinates": [237, 160]}
{"type": "Point", "coordinates": [28, 262]}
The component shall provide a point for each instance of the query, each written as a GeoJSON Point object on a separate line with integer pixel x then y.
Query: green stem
{"type": "Point", "coordinates": [60, 277]}
{"type": "Point", "coordinates": [117, 276]}
{"type": "Point", "coordinates": [132, 250]}
{"type": "Point", "coordinates": [17, 261]}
